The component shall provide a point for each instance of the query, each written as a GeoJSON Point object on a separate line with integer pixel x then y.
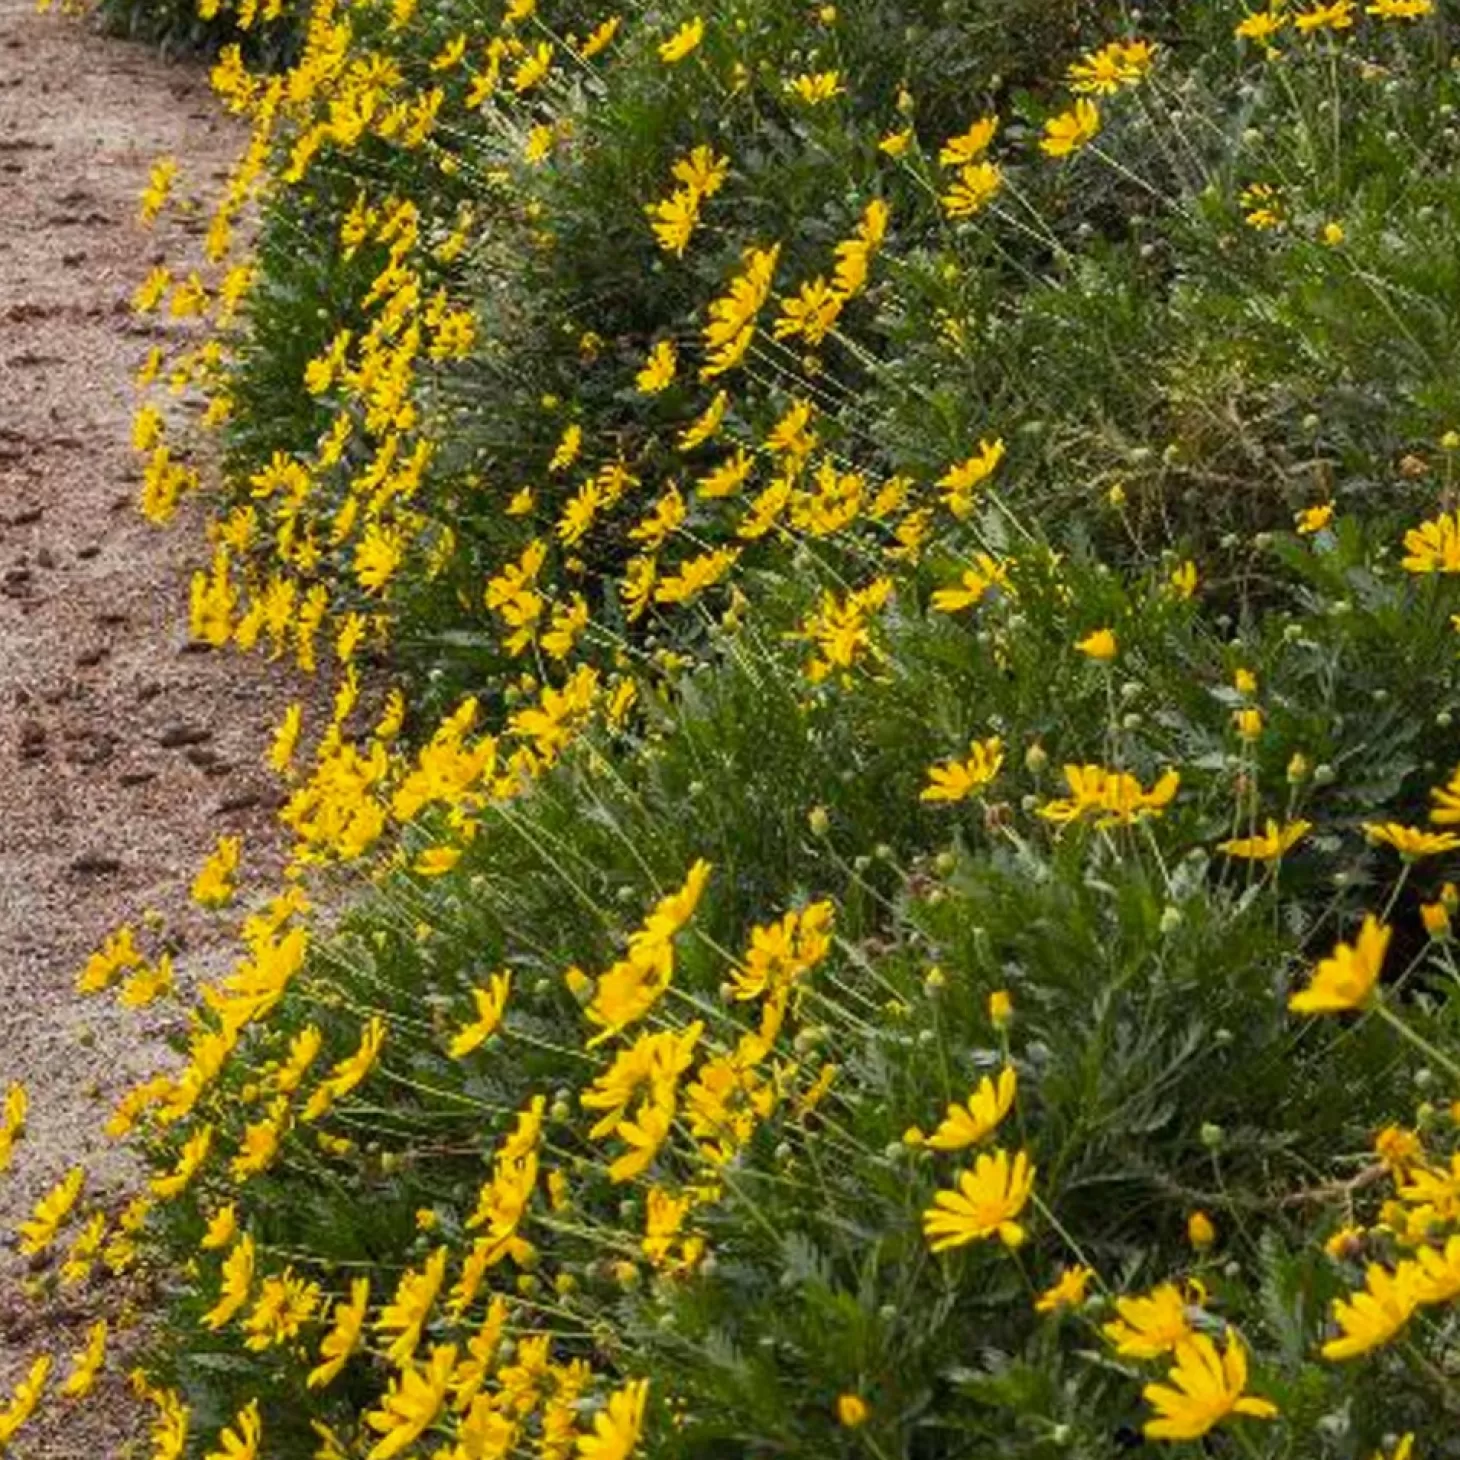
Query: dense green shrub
{"type": "Point", "coordinates": [1017, 677]}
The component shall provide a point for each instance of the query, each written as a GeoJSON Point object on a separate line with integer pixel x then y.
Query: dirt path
{"type": "Point", "coordinates": [122, 754]}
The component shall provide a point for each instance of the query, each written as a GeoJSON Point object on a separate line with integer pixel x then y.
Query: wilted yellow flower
{"type": "Point", "coordinates": [1001, 1009]}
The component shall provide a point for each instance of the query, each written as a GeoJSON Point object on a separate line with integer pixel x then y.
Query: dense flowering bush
{"type": "Point", "coordinates": [898, 902]}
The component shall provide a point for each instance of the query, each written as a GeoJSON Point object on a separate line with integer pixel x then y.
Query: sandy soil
{"type": "Point", "coordinates": [123, 752]}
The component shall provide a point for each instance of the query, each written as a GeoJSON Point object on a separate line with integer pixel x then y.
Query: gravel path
{"type": "Point", "coordinates": [123, 753]}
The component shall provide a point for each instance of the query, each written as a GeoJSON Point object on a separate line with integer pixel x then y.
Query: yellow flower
{"type": "Point", "coordinates": [349, 1071]}
{"type": "Point", "coordinates": [966, 1125]}
{"type": "Point", "coordinates": [23, 1401]}
{"type": "Point", "coordinates": [817, 88]}
{"type": "Point", "coordinates": [1068, 1291]}
{"type": "Point", "coordinates": [436, 861]}
{"type": "Point", "coordinates": [1436, 919]}
{"type": "Point", "coordinates": [241, 1442]}
{"type": "Point", "coordinates": [222, 1226]}
{"type": "Point", "coordinates": [405, 1315]}
{"type": "Point", "coordinates": [1346, 978]}
{"type": "Point", "coordinates": [1183, 580]}
{"type": "Point", "coordinates": [283, 1306]}
{"type": "Point", "coordinates": [87, 1364]}
{"type": "Point", "coordinates": [1404, 1449]}
{"type": "Point", "coordinates": [1400, 10]}
{"type": "Point", "coordinates": [1314, 519]}
{"type": "Point", "coordinates": [616, 1429]}
{"type": "Point", "coordinates": [977, 184]}
{"type": "Point", "coordinates": [1071, 130]}
{"type": "Point", "coordinates": [1337, 16]}
{"type": "Point", "coordinates": [1100, 645]}
{"type": "Point", "coordinates": [959, 482]}
{"type": "Point", "coordinates": [533, 68]}
{"type": "Point", "coordinates": [412, 1403]}
{"type": "Point", "coordinates": [1106, 71]}
{"type": "Point", "coordinates": [894, 144]}
{"type": "Point", "coordinates": [1199, 1231]}
{"type": "Point", "coordinates": [1399, 1149]}
{"type": "Point", "coordinates": [956, 780]}
{"type": "Point", "coordinates": [969, 146]}
{"type": "Point", "coordinates": [50, 1213]}
{"type": "Point", "coordinates": [985, 1203]}
{"type": "Point", "coordinates": [601, 38]}
{"type": "Point", "coordinates": [1446, 810]}
{"type": "Point", "coordinates": [1207, 1388]}
{"type": "Point", "coordinates": [1001, 1009]}
{"type": "Point", "coordinates": [1248, 722]}
{"type": "Point", "coordinates": [1345, 1243]}
{"type": "Point", "coordinates": [1433, 546]}
{"type": "Point", "coordinates": [260, 1142]}
{"type": "Point", "coordinates": [490, 1003]}
{"type": "Point", "coordinates": [1435, 1275]}
{"type": "Point", "coordinates": [659, 368]}
{"type": "Point", "coordinates": [673, 219]}
{"type": "Point", "coordinates": [987, 572]}
{"type": "Point", "coordinates": [851, 1410]}
{"type": "Point", "coordinates": [341, 1341]}
{"type": "Point", "coordinates": [1375, 1314]}
{"type": "Point", "coordinates": [1276, 841]}
{"type": "Point", "coordinates": [1410, 842]}
{"type": "Point", "coordinates": [682, 42]}
{"type": "Point", "coordinates": [1150, 1326]}
{"type": "Point", "coordinates": [1261, 26]}
{"type": "Point", "coordinates": [236, 1280]}
{"type": "Point", "coordinates": [192, 1155]}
